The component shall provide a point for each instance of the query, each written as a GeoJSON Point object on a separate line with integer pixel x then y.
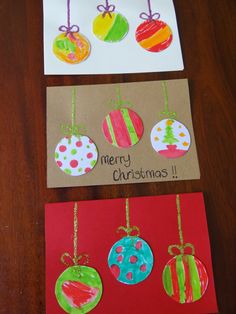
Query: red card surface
{"type": "Point", "coordinates": [157, 219]}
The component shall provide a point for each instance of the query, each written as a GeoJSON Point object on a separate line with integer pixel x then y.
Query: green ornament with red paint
{"type": "Point", "coordinates": [184, 277]}
{"type": "Point", "coordinates": [79, 288]}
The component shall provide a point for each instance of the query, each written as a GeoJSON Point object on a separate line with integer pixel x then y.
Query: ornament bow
{"type": "Point", "coordinates": [106, 9]}
{"type": "Point", "coordinates": [119, 103]}
{"type": "Point", "coordinates": [181, 248]}
{"type": "Point", "coordinates": [69, 29]}
{"type": "Point", "coordinates": [69, 130]}
{"type": "Point", "coordinates": [149, 16]}
{"type": "Point", "coordinates": [76, 260]}
{"type": "Point", "coordinates": [129, 231]}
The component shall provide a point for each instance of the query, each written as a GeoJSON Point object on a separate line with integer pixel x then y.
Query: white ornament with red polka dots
{"type": "Point", "coordinates": [76, 156]}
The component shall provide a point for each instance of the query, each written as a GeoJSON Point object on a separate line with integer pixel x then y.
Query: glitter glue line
{"type": "Point", "coordinates": [127, 214]}
{"type": "Point", "coordinates": [75, 230]}
{"type": "Point", "coordinates": [76, 259]}
{"type": "Point", "coordinates": [166, 111]}
{"type": "Point", "coordinates": [179, 220]}
{"type": "Point", "coordinates": [164, 89]}
{"type": "Point", "coordinates": [73, 111]}
{"type": "Point", "coordinates": [118, 102]}
{"type": "Point", "coordinates": [128, 230]}
{"type": "Point", "coordinates": [182, 246]}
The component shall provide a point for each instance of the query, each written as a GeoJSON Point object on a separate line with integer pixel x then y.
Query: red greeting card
{"type": "Point", "coordinates": [170, 237]}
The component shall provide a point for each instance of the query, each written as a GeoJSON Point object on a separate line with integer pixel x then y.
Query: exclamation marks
{"type": "Point", "coordinates": [174, 172]}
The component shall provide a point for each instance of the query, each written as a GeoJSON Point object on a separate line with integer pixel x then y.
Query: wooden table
{"type": "Point", "coordinates": [207, 30]}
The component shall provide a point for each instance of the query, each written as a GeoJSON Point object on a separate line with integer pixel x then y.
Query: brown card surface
{"type": "Point", "coordinates": [135, 164]}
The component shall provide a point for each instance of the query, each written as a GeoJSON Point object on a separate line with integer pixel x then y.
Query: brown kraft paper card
{"type": "Point", "coordinates": [165, 149]}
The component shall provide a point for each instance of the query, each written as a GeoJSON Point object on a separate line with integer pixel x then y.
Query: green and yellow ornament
{"type": "Point", "coordinates": [110, 26]}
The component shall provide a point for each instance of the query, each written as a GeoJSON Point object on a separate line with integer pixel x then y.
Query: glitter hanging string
{"type": "Point", "coordinates": [73, 129]}
{"type": "Point", "coordinates": [128, 229]}
{"type": "Point", "coordinates": [167, 112]}
{"type": "Point", "coordinates": [182, 246]}
{"type": "Point", "coordinates": [76, 259]}
{"type": "Point", "coordinates": [118, 103]}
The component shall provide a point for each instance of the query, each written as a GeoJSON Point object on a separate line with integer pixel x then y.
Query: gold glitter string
{"type": "Point", "coordinates": [76, 259]}
{"type": "Point", "coordinates": [130, 231]}
{"type": "Point", "coordinates": [182, 246]}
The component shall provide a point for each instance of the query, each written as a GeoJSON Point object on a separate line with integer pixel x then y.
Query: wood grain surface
{"type": "Point", "coordinates": [207, 32]}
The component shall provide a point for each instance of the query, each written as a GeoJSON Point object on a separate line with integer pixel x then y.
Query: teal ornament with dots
{"type": "Point", "coordinates": [130, 259]}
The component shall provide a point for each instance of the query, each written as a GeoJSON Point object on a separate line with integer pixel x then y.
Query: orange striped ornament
{"type": "Point", "coordinates": [154, 35]}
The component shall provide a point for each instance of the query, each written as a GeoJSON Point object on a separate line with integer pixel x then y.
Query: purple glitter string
{"type": "Point", "coordinates": [149, 16]}
{"type": "Point", "coordinates": [69, 28]}
{"type": "Point", "coordinates": [106, 9]}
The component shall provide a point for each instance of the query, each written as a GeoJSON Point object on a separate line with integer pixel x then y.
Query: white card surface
{"type": "Point", "coordinates": [125, 56]}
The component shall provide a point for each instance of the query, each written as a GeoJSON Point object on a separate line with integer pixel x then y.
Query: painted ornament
{"type": "Point", "coordinates": [153, 35]}
{"type": "Point", "coordinates": [110, 26]}
{"type": "Point", "coordinates": [184, 277]}
{"type": "Point", "coordinates": [130, 259]}
{"type": "Point", "coordinates": [169, 137]}
{"type": "Point", "coordinates": [122, 127]}
{"type": "Point", "coordinates": [79, 288]}
{"type": "Point", "coordinates": [71, 46]}
{"type": "Point", "coordinates": [75, 154]}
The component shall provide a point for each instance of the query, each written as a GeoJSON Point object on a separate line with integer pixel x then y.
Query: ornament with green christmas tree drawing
{"type": "Point", "coordinates": [169, 137]}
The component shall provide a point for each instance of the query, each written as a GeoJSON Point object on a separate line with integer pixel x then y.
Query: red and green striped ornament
{"type": "Point", "coordinates": [184, 277]}
{"type": "Point", "coordinates": [122, 127]}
